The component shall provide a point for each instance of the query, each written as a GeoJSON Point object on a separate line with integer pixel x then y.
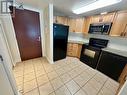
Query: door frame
{"type": "Point", "coordinates": [7, 45]}
{"type": "Point", "coordinates": [41, 28]}
{"type": "Point", "coordinates": [8, 61]}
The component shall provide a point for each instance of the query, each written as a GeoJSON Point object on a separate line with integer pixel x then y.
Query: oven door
{"type": "Point", "coordinates": [90, 55]}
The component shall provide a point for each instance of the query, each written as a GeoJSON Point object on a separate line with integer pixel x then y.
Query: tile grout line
{"type": "Point", "coordinates": [84, 84]}
{"type": "Point", "coordinates": [63, 82]}
{"type": "Point", "coordinates": [32, 79]}
{"type": "Point", "coordinates": [71, 78]}
{"type": "Point", "coordinates": [49, 81]}
{"type": "Point", "coordinates": [36, 78]}
{"type": "Point", "coordinates": [102, 86]}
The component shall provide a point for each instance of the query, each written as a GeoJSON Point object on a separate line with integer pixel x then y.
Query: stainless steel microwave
{"type": "Point", "coordinates": [100, 28]}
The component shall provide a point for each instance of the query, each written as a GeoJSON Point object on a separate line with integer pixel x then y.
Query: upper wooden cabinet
{"type": "Point", "coordinates": [76, 25]}
{"type": "Point", "coordinates": [87, 24]}
{"type": "Point", "coordinates": [119, 27]}
{"type": "Point", "coordinates": [60, 20]}
{"type": "Point", "coordinates": [98, 19]}
{"type": "Point", "coordinates": [80, 25]}
{"type": "Point", "coordinates": [72, 25]}
{"type": "Point", "coordinates": [103, 18]}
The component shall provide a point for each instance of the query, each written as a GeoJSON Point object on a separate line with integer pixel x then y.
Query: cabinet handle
{"type": "Point", "coordinates": [125, 30]}
{"type": "Point", "coordinates": [122, 34]}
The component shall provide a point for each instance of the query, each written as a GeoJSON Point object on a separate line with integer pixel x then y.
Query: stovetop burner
{"type": "Point", "coordinates": [99, 43]}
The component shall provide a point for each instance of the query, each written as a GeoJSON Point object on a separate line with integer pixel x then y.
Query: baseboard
{"type": "Point", "coordinates": [19, 93]}
{"type": "Point", "coordinates": [50, 61]}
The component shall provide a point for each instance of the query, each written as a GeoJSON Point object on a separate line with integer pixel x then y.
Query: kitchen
{"type": "Point", "coordinates": [80, 29]}
{"type": "Point", "coordinates": [95, 46]}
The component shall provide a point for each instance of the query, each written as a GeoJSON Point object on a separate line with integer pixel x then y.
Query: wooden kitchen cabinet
{"type": "Point", "coordinates": [80, 24]}
{"type": "Point", "coordinates": [87, 24]}
{"type": "Point", "coordinates": [76, 25]}
{"type": "Point", "coordinates": [98, 19]}
{"type": "Point", "coordinates": [74, 49]}
{"type": "Point", "coordinates": [103, 18]}
{"type": "Point", "coordinates": [119, 27]}
{"type": "Point", "coordinates": [72, 25]}
{"type": "Point", "coordinates": [60, 20]}
{"type": "Point", "coordinates": [122, 78]}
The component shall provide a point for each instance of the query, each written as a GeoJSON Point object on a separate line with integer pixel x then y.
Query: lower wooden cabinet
{"type": "Point", "coordinates": [74, 49]}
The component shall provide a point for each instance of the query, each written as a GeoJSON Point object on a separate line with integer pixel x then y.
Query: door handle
{"type": "Point", "coordinates": [1, 58]}
{"type": "Point", "coordinates": [39, 39]}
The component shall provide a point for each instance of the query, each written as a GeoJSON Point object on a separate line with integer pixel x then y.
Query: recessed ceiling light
{"type": "Point", "coordinates": [96, 5]}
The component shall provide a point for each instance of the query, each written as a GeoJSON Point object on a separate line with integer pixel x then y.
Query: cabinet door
{"type": "Point", "coordinates": [72, 25]}
{"type": "Point", "coordinates": [75, 50]}
{"type": "Point", "coordinates": [87, 24]}
{"type": "Point", "coordinates": [109, 17]}
{"type": "Point", "coordinates": [60, 20]}
{"type": "Point", "coordinates": [112, 65]}
{"type": "Point", "coordinates": [79, 24]}
{"type": "Point", "coordinates": [95, 19]}
{"type": "Point", "coordinates": [125, 31]}
{"type": "Point", "coordinates": [79, 50]}
{"type": "Point", "coordinates": [103, 18]}
{"type": "Point", "coordinates": [70, 49]}
{"type": "Point", "coordinates": [65, 22]}
{"type": "Point", "coordinates": [119, 25]}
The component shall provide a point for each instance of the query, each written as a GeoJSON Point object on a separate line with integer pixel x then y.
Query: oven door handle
{"type": "Point", "coordinates": [89, 53]}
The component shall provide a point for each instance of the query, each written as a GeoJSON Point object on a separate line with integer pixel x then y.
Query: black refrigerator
{"type": "Point", "coordinates": [60, 39]}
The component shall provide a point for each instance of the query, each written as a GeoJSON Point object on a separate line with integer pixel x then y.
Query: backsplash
{"type": "Point", "coordinates": [114, 42]}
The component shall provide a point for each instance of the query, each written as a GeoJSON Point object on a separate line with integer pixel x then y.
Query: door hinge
{"type": "Point", "coordinates": [1, 58]}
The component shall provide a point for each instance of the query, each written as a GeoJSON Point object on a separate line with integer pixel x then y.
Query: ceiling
{"type": "Point", "coordinates": [65, 7]}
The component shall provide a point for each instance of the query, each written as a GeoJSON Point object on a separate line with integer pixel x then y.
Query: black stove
{"type": "Point", "coordinates": [91, 52]}
{"type": "Point", "coordinates": [99, 43]}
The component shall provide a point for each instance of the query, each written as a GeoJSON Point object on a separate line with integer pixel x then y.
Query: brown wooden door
{"type": "Point", "coordinates": [27, 29]}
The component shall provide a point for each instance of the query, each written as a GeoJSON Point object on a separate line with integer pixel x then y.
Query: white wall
{"type": "Point", "coordinates": [7, 63]}
{"type": "Point", "coordinates": [48, 29]}
{"type": "Point", "coordinates": [10, 35]}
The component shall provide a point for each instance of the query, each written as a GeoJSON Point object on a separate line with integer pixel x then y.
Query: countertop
{"type": "Point", "coordinates": [80, 40]}
{"type": "Point", "coordinates": [116, 51]}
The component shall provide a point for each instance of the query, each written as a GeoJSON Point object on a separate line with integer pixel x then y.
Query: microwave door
{"type": "Point", "coordinates": [106, 29]}
{"type": "Point", "coordinates": [96, 29]}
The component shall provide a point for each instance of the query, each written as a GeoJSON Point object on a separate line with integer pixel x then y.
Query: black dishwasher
{"type": "Point", "coordinates": [111, 64]}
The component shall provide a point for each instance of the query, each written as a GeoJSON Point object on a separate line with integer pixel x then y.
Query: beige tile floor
{"type": "Point", "coordinates": [66, 77]}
